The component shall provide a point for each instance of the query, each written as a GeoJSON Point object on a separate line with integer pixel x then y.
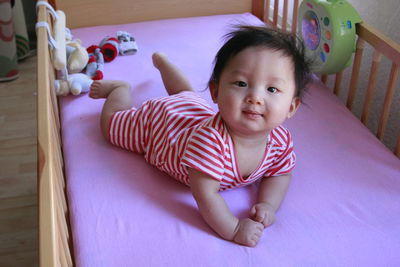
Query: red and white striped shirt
{"type": "Point", "coordinates": [182, 130]}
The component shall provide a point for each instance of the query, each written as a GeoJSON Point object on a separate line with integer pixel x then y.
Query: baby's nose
{"type": "Point", "coordinates": [254, 100]}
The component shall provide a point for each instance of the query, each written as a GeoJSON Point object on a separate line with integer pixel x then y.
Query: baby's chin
{"type": "Point", "coordinates": [248, 131]}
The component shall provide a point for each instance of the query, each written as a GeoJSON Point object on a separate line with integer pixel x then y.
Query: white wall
{"type": "Point", "coordinates": [383, 15]}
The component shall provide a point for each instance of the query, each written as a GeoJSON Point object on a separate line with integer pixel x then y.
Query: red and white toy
{"type": "Point", "coordinates": [109, 48]}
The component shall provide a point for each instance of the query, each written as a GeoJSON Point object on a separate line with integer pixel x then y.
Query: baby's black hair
{"type": "Point", "coordinates": [250, 36]}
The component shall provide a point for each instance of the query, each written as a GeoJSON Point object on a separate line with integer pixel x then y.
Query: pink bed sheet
{"type": "Point", "coordinates": [342, 208]}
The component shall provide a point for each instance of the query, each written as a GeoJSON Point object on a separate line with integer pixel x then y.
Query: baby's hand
{"type": "Point", "coordinates": [248, 233]}
{"type": "Point", "coordinates": [263, 213]}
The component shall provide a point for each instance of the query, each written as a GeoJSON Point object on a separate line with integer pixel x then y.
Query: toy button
{"type": "Point", "coordinates": [327, 48]}
{"type": "Point", "coordinates": [326, 21]}
{"type": "Point", "coordinates": [349, 24]}
{"type": "Point", "coordinates": [322, 56]}
{"type": "Point", "coordinates": [328, 35]}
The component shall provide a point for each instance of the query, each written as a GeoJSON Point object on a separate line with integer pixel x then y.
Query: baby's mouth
{"type": "Point", "coordinates": [252, 114]}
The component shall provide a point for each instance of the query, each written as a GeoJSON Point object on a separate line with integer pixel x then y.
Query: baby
{"type": "Point", "coordinates": [257, 81]}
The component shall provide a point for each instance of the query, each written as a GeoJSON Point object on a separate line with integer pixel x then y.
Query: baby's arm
{"type": "Point", "coordinates": [271, 194]}
{"type": "Point", "coordinates": [216, 213]}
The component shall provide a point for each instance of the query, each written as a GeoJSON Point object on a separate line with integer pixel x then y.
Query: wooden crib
{"type": "Point", "coordinates": [54, 234]}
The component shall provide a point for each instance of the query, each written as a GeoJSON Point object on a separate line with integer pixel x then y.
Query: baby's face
{"type": "Point", "coordinates": [256, 91]}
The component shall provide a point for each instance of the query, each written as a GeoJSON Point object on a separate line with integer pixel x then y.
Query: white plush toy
{"type": "Point", "coordinates": [77, 56]}
{"type": "Point", "coordinates": [77, 59]}
{"type": "Point", "coordinates": [77, 83]}
{"type": "Point", "coordinates": [59, 52]}
{"type": "Point", "coordinates": [68, 52]}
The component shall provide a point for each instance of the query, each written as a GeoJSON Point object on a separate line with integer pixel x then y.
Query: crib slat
{"type": "Point", "coordinates": [338, 81]}
{"type": "Point", "coordinates": [53, 4]}
{"type": "Point", "coordinates": [59, 188]}
{"type": "Point", "coordinates": [56, 189]}
{"type": "Point", "coordinates": [267, 11]}
{"type": "Point", "coordinates": [63, 256]}
{"type": "Point", "coordinates": [63, 241]}
{"type": "Point", "coordinates": [62, 227]}
{"type": "Point", "coordinates": [377, 56]}
{"type": "Point", "coordinates": [355, 72]}
{"type": "Point", "coordinates": [57, 155]}
{"type": "Point", "coordinates": [324, 78]}
{"type": "Point", "coordinates": [61, 238]}
{"type": "Point", "coordinates": [276, 13]}
{"type": "Point", "coordinates": [54, 103]}
{"type": "Point", "coordinates": [295, 15]}
{"type": "Point", "coordinates": [285, 14]}
{"type": "Point", "coordinates": [61, 203]}
{"type": "Point", "coordinates": [257, 9]}
{"type": "Point", "coordinates": [394, 73]}
{"type": "Point", "coordinates": [55, 130]}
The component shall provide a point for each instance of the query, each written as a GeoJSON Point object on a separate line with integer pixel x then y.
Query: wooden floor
{"type": "Point", "coordinates": [18, 195]}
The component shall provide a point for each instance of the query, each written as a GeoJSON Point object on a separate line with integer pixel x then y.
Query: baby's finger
{"type": "Point", "coordinates": [252, 243]}
{"type": "Point", "coordinates": [255, 239]}
{"type": "Point", "coordinates": [260, 227]}
{"type": "Point", "coordinates": [266, 224]}
{"type": "Point", "coordinates": [269, 219]}
{"type": "Point", "coordinates": [256, 215]}
{"type": "Point", "coordinates": [259, 217]}
{"type": "Point", "coordinates": [258, 234]}
{"type": "Point", "coordinates": [253, 212]}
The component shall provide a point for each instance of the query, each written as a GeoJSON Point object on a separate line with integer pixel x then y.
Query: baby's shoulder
{"type": "Point", "coordinates": [211, 127]}
{"type": "Point", "coordinates": [281, 137]}
{"type": "Point", "coordinates": [210, 130]}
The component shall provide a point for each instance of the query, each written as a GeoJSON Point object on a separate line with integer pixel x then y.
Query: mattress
{"type": "Point", "coordinates": [342, 207]}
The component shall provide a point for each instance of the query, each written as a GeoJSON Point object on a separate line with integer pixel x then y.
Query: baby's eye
{"type": "Point", "coordinates": [241, 84]}
{"type": "Point", "coordinates": [272, 89]}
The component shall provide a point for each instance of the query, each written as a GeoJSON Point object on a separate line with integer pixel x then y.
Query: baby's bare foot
{"type": "Point", "coordinates": [158, 59]}
{"type": "Point", "coordinates": [102, 88]}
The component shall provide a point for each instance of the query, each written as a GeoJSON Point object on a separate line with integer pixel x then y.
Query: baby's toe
{"type": "Point", "coordinates": [93, 93]}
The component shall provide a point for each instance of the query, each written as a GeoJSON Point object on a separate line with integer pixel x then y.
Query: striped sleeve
{"type": "Point", "coordinates": [118, 130]}
{"type": "Point", "coordinates": [205, 153]}
{"type": "Point", "coordinates": [285, 158]}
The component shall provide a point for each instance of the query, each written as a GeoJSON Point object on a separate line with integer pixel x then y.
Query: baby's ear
{"type": "Point", "coordinates": [213, 90]}
{"type": "Point", "coordinates": [294, 106]}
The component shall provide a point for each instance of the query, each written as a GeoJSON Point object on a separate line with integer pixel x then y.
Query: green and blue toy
{"type": "Point", "coordinates": [328, 29]}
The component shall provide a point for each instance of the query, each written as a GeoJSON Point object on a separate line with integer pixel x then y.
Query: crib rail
{"type": "Point", "coordinates": [367, 35]}
{"type": "Point", "coordinates": [120, 12]}
{"type": "Point", "coordinates": [54, 245]}
{"type": "Point", "coordinates": [54, 239]}
{"type": "Point", "coordinates": [382, 47]}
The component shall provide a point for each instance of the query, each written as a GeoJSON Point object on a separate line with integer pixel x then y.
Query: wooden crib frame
{"type": "Point", "coordinates": [55, 246]}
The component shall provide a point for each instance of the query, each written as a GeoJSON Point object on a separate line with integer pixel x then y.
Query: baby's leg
{"type": "Point", "coordinates": [173, 78]}
{"type": "Point", "coordinates": [118, 97]}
